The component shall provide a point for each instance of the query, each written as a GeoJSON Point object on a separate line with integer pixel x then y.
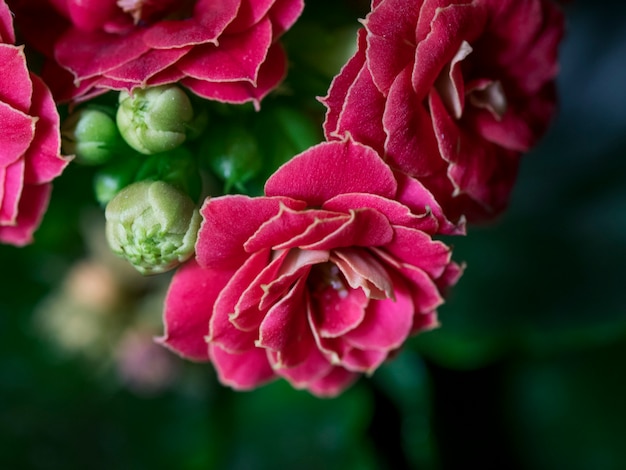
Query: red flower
{"type": "Point", "coordinates": [222, 50]}
{"type": "Point", "coordinates": [450, 92]}
{"type": "Point", "coordinates": [29, 142]}
{"type": "Point", "coordinates": [320, 280]}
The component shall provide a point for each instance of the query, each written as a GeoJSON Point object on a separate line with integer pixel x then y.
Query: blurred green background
{"type": "Point", "coordinates": [527, 371]}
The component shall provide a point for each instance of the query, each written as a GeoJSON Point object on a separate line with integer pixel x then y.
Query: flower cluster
{"type": "Point", "coordinates": [326, 262]}
{"type": "Point", "coordinates": [224, 50]}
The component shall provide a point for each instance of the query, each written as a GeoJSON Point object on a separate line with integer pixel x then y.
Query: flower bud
{"type": "Point", "coordinates": [115, 176]}
{"type": "Point", "coordinates": [177, 167]}
{"type": "Point", "coordinates": [155, 119]}
{"type": "Point", "coordinates": [232, 153]}
{"type": "Point", "coordinates": [153, 225]}
{"type": "Point", "coordinates": [91, 135]}
{"type": "Point", "coordinates": [286, 131]}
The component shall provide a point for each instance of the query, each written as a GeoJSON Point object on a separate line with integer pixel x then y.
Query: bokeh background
{"type": "Point", "coordinates": [528, 370]}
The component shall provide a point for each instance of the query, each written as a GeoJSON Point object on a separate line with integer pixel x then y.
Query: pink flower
{"type": "Point", "coordinates": [322, 279]}
{"type": "Point", "coordinates": [451, 92]}
{"type": "Point", "coordinates": [29, 142]}
{"type": "Point", "coordinates": [222, 50]}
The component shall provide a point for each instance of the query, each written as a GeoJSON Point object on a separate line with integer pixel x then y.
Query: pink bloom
{"type": "Point", "coordinates": [222, 50]}
{"type": "Point", "coordinates": [322, 279]}
{"type": "Point", "coordinates": [451, 92]}
{"type": "Point", "coordinates": [29, 142]}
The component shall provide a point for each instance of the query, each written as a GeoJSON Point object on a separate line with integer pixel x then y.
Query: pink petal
{"type": "Point", "coordinates": [410, 145]}
{"type": "Point", "coordinates": [360, 115]}
{"type": "Point", "coordinates": [90, 15]}
{"type": "Point", "coordinates": [423, 322]}
{"type": "Point", "coordinates": [366, 227]}
{"type": "Point", "coordinates": [483, 171]}
{"type": "Point", "coordinates": [237, 58]}
{"type": "Point", "coordinates": [285, 329]}
{"type": "Point", "coordinates": [12, 179]}
{"type": "Point", "coordinates": [145, 67]}
{"type": "Point", "coordinates": [229, 221]}
{"type": "Point", "coordinates": [92, 54]}
{"type": "Point", "coordinates": [523, 123]}
{"type": "Point", "coordinates": [189, 308]}
{"type": "Point", "coordinates": [395, 212]}
{"type": "Point", "coordinates": [416, 248]}
{"type": "Point", "coordinates": [358, 360]}
{"type": "Point", "coordinates": [43, 159]}
{"type": "Point", "coordinates": [344, 167]}
{"type": "Point", "coordinates": [291, 228]}
{"type": "Point", "coordinates": [333, 383]}
{"type": "Point", "coordinates": [415, 195]}
{"type": "Point", "coordinates": [423, 290]}
{"type": "Point", "coordinates": [312, 369]}
{"type": "Point", "coordinates": [321, 230]}
{"type": "Point", "coordinates": [340, 86]}
{"type": "Point", "coordinates": [250, 13]}
{"type": "Point", "coordinates": [390, 40]}
{"type": "Point", "coordinates": [15, 86]}
{"type": "Point", "coordinates": [33, 205]}
{"type": "Point", "coordinates": [270, 74]}
{"type": "Point", "coordinates": [387, 322]}
{"type": "Point", "coordinates": [284, 14]}
{"type": "Point", "coordinates": [18, 131]}
{"type": "Point", "coordinates": [449, 27]}
{"type": "Point", "coordinates": [7, 34]}
{"type": "Point", "coordinates": [362, 270]}
{"type": "Point", "coordinates": [296, 265]}
{"type": "Point", "coordinates": [243, 371]}
{"type": "Point", "coordinates": [222, 330]}
{"type": "Point", "coordinates": [249, 309]}
{"type": "Point", "coordinates": [209, 21]}
{"type": "Point", "coordinates": [336, 308]}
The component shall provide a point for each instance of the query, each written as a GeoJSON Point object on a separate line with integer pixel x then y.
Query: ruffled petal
{"type": "Point", "coordinates": [345, 167]}
{"type": "Point", "coordinates": [189, 308]}
{"type": "Point", "coordinates": [242, 371]}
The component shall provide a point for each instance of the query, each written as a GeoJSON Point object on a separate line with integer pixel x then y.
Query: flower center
{"type": "Point", "coordinates": [326, 276]}
{"type": "Point", "coordinates": [482, 93]}
{"type": "Point", "coordinates": [490, 96]}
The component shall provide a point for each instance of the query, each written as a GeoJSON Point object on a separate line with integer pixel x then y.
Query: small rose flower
{"type": "Point", "coordinates": [320, 280]}
{"type": "Point", "coordinates": [451, 92]}
{"type": "Point", "coordinates": [29, 142]}
{"type": "Point", "coordinates": [223, 50]}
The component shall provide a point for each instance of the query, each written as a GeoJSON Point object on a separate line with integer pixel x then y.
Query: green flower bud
{"type": "Point", "coordinates": [153, 225]}
{"type": "Point", "coordinates": [177, 167]}
{"type": "Point", "coordinates": [232, 153]}
{"type": "Point", "coordinates": [155, 119]}
{"type": "Point", "coordinates": [286, 131]}
{"type": "Point", "coordinates": [91, 135]}
{"type": "Point", "coordinates": [115, 176]}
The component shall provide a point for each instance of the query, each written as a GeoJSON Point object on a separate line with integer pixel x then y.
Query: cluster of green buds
{"type": "Point", "coordinates": [156, 156]}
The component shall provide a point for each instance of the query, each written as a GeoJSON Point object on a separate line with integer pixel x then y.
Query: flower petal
{"type": "Point", "coordinates": [32, 206]}
{"type": "Point", "coordinates": [242, 371]}
{"type": "Point", "coordinates": [229, 221]}
{"type": "Point", "coordinates": [344, 167]}
{"type": "Point", "coordinates": [189, 308]}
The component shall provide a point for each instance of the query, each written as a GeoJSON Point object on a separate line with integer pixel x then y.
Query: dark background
{"type": "Point", "coordinates": [527, 372]}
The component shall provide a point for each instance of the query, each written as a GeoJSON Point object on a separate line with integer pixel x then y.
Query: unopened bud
{"type": "Point", "coordinates": [153, 225]}
{"type": "Point", "coordinates": [91, 135]}
{"type": "Point", "coordinates": [155, 119]}
{"type": "Point", "coordinates": [232, 153]}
